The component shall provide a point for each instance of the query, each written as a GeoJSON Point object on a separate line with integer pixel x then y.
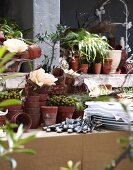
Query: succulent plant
{"type": "Point", "coordinates": [62, 100]}
{"type": "Point", "coordinates": [11, 94]}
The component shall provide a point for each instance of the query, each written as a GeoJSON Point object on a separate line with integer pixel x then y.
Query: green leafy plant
{"type": "Point", "coordinates": [15, 143]}
{"type": "Point", "coordinates": [11, 29]}
{"type": "Point", "coordinates": [88, 45]}
{"type": "Point", "coordinates": [51, 39]}
{"type": "Point", "coordinates": [71, 166]}
{"type": "Point", "coordinates": [126, 144]}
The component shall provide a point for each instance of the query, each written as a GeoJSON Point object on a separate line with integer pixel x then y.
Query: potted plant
{"type": "Point", "coordinates": [49, 115]}
{"type": "Point", "coordinates": [89, 45]}
{"type": "Point", "coordinates": [79, 108]}
{"type": "Point", "coordinates": [50, 39]}
{"type": "Point", "coordinates": [10, 31]}
{"type": "Point", "coordinates": [66, 106]}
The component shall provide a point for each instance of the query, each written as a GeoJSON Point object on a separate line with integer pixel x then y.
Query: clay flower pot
{"type": "Point", "coordinates": [126, 68]}
{"type": "Point", "coordinates": [74, 63]}
{"type": "Point", "coordinates": [49, 114]}
{"type": "Point", "coordinates": [44, 103]}
{"type": "Point", "coordinates": [34, 51]}
{"type": "Point", "coordinates": [97, 68]}
{"type": "Point", "coordinates": [32, 104]}
{"type": "Point", "coordinates": [83, 68]}
{"type": "Point", "coordinates": [65, 112]}
{"type": "Point", "coordinates": [23, 55]}
{"type": "Point", "coordinates": [33, 98]}
{"type": "Point", "coordinates": [43, 97]}
{"type": "Point", "coordinates": [2, 38]}
{"type": "Point", "coordinates": [13, 112]}
{"type": "Point", "coordinates": [60, 74]}
{"type": "Point", "coordinates": [14, 107]}
{"type": "Point", "coordinates": [69, 79]}
{"type": "Point", "coordinates": [2, 120]}
{"type": "Point", "coordinates": [35, 120]}
{"type": "Point", "coordinates": [21, 118]}
{"type": "Point", "coordinates": [32, 110]}
{"type": "Point", "coordinates": [107, 65]}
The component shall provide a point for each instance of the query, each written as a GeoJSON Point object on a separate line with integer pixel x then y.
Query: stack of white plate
{"type": "Point", "coordinates": [110, 114]}
{"type": "Point", "coordinates": [112, 123]}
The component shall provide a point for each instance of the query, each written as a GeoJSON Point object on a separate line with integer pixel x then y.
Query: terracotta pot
{"type": "Point", "coordinates": [97, 68]}
{"type": "Point", "coordinates": [2, 38]}
{"type": "Point", "coordinates": [107, 65]}
{"type": "Point", "coordinates": [78, 114]}
{"type": "Point", "coordinates": [26, 55]}
{"type": "Point", "coordinates": [33, 98]}
{"type": "Point", "coordinates": [65, 112]}
{"type": "Point", "coordinates": [60, 74]}
{"type": "Point", "coordinates": [32, 93]}
{"type": "Point", "coordinates": [32, 104]}
{"type": "Point", "coordinates": [83, 68]}
{"type": "Point", "coordinates": [21, 118]}
{"type": "Point", "coordinates": [14, 107]}
{"type": "Point", "coordinates": [43, 97]}
{"type": "Point", "coordinates": [12, 112]}
{"type": "Point", "coordinates": [69, 80]}
{"type": "Point", "coordinates": [35, 120]}
{"type": "Point", "coordinates": [43, 90]}
{"type": "Point", "coordinates": [23, 55]}
{"type": "Point", "coordinates": [34, 51]}
{"type": "Point", "coordinates": [49, 114]}
{"type": "Point", "coordinates": [2, 120]}
{"type": "Point", "coordinates": [74, 63]}
{"type": "Point", "coordinates": [58, 89]}
{"type": "Point", "coordinates": [127, 68]}
{"type": "Point", "coordinates": [44, 103]}
{"type": "Point", "coordinates": [32, 110]}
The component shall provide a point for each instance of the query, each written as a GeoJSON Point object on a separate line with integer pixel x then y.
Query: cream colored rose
{"type": "Point", "coordinates": [15, 45]}
{"type": "Point", "coordinates": [41, 78]}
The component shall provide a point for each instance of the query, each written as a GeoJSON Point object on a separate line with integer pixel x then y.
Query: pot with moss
{"type": "Point", "coordinates": [66, 106]}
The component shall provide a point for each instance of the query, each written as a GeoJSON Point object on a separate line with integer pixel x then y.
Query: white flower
{"type": "Point", "coordinates": [15, 45]}
{"type": "Point", "coordinates": [41, 78]}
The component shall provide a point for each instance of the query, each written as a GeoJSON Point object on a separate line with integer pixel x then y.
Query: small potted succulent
{"type": "Point", "coordinates": [79, 109]}
{"type": "Point", "coordinates": [66, 106]}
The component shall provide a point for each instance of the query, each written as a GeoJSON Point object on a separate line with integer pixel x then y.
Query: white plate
{"type": "Point", "coordinates": [117, 127]}
{"type": "Point", "coordinates": [112, 122]}
{"type": "Point", "coordinates": [108, 119]}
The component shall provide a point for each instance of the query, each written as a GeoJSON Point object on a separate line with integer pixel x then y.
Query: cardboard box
{"type": "Point", "coordinates": [53, 150]}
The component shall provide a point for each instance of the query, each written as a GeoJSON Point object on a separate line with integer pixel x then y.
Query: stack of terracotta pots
{"type": "Point", "coordinates": [32, 108]}
{"type": "Point", "coordinates": [60, 86]}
